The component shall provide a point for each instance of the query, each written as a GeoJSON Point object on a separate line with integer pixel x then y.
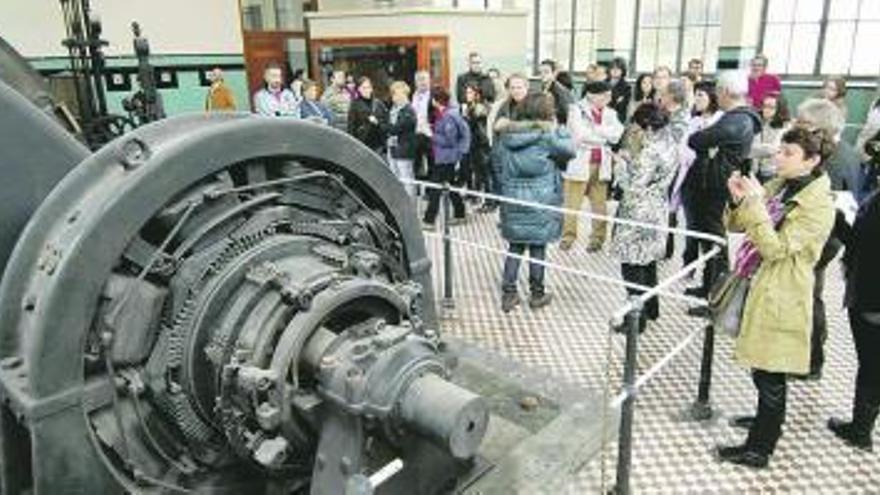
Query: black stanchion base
{"type": "Point", "coordinates": [701, 411]}
{"type": "Point", "coordinates": [448, 303]}
{"type": "Point", "coordinates": [614, 491]}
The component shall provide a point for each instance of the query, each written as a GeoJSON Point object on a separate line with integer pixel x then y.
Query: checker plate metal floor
{"type": "Point", "coordinates": [570, 340]}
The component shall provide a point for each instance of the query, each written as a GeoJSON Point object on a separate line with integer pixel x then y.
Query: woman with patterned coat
{"type": "Point", "coordinates": [644, 174]}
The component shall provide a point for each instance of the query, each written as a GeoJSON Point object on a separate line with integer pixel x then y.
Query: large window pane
{"type": "Point", "coordinates": [563, 14]}
{"type": "Point", "coordinates": [780, 10]}
{"type": "Point", "coordinates": [870, 10]}
{"type": "Point", "coordinates": [646, 51]}
{"type": "Point", "coordinates": [586, 14]}
{"type": "Point", "coordinates": [844, 9]}
{"type": "Point", "coordinates": [670, 13]}
{"type": "Point", "coordinates": [804, 41]}
{"type": "Point", "coordinates": [696, 12]}
{"type": "Point", "coordinates": [691, 45]}
{"type": "Point", "coordinates": [838, 47]}
{"type": "Point", "coordinates": [650, 13]}
{"type": "Point", "coordinates": [563, 49]}
{"type": "Point", "coordinates": [809, 10]}
{"type": "Point", "coordinates": [584, 49]}
{"type": "Point", "coordinates": [714, 15]}
{"type": "Point", "coordinates": [667, 48]}
{"type": "Point", "coordinates": [547, 46]}
{"type": "Point", "coordinates": [713, 41]}
{"type": "Point", "coordinates": [548, 15]}
{"type": "Point", "coordinates": [776, 41]}
{"type": "Point", "coordinates": [865, 61]}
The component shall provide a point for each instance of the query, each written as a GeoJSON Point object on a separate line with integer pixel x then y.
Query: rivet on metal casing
{"type": "Point", "coordinates": [133, 153]}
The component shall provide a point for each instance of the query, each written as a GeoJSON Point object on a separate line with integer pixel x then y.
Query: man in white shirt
{"type": "Point", "coordinates": [594, 129]}
{"type": "Point", "coordinates": [275, 100]}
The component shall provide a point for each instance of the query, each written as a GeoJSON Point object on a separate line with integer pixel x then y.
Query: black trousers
{"type": "Point", "coordinates": [643, 275]}
{"type": "Point", "coordinates": [820, 319]}
{"type": "Point", "coordinates": [424, 158]}
{"type": "Point", "coordinates": [767, 428]}
{"type": "Point", "coordinates": [443, 173]}
{"type": "Point", "coordinates": [691, 246]}
{"type": "Point", "coordinates": [866, 405]}
{"type": "Point", "coordinates": [478, 162]}
{"type": "Point", "coordinates": [709, 219]}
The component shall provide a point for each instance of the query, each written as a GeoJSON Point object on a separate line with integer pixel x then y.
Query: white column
{"type": "Point", "coordinates": [740, 32]}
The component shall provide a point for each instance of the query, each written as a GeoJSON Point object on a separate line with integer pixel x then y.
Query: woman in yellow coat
{"type": "Point", "coordinates": [786, 225]}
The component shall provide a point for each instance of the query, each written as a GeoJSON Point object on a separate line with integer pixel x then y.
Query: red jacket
{"type": "Point", "coordinates": [761, 87]}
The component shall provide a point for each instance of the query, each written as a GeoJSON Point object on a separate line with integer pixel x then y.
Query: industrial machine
{"type": "Point", "coordinates": [237, 304]}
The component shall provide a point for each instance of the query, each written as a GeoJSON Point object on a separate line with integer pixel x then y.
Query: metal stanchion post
{"type": "Point", "coordinates": [624, 445]}
{"type": "Point", "coordinates": [701, 410]}
{"type": "Point", "coordinates": [448, 301]}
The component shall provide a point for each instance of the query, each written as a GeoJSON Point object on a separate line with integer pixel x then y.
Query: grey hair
{"type": "Point", "coordinates": [677, 91]}
{"type": "Point", "coordinates": [821, 113]}
{"type": "Point", "coordinates": [734, 82]}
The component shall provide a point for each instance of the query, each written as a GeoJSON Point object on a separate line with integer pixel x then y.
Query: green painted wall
{"type": "Point", "coordinates": [189, 96]}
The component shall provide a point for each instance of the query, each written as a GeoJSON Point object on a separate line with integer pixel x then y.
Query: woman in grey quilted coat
{"type": "Point", "coordinates": [644, 174]}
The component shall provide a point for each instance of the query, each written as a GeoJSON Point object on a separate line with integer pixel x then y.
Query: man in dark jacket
{"type": "Point", "coordinates": [862, 241]}
{"type": "Point", "coordinates": [562, 97]}
{"type": "Point", "coordinates": [477, 77]}
{"type": "Point", "coordinates": [721, 149]}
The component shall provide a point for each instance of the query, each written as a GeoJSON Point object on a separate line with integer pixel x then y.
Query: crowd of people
{"type": "Point", "coordinates": [726, 153]}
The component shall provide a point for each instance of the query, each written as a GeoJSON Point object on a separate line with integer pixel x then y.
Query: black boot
{"type": "Point", "coordinates": [857, 433]}
{"type": "Point", "coordinates": [540, 299]}
{"type": "Point", "coordinates": [742, 455]}
{"type": "Point", "coordinates": [509, 300]}
{"type": "Point", "coordinates": [742, 422]}
{"type": "Point", "coordinates": [847, 432]}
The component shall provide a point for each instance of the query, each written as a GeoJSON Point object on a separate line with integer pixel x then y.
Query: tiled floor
{"type": "Point", "coordinates": [570, 339]}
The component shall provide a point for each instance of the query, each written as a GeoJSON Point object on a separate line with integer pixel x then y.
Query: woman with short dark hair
{"type": "Point", "coordinates": [786, 225]}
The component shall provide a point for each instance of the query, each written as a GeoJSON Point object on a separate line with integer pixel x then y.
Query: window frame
{"type": "Point", "coordinates": [680, 28]}
{"type": "Point", "coordinates": [571, 29]}
{"type": "Point", "coordinates": [824, 21]}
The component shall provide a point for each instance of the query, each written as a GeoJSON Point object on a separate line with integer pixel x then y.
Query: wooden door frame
{"type": "Point", "coordinates": [249, 37]}
{"type": "Point", "coordinates": [421, 43]}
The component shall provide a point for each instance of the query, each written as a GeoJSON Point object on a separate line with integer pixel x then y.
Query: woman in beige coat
{"type": "Point", "coordinates": [786, 224]}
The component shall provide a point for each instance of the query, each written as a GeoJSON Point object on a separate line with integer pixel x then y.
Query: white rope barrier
{"type": "Point", "coordinates": [656, 368]}
{"type": "Point", "coordinates": [566, 269]}
{"type": "Point", "coordinates": [582, 214]}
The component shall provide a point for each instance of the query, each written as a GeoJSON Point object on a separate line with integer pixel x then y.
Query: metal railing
{"type": "Point", "coordinates": [627, 317]}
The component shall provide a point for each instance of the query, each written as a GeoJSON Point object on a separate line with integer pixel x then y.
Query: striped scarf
{"type": "Point", "coordinates": [748, 258]}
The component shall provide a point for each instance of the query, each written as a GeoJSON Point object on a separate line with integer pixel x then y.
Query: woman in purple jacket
{"type": "Point", "coordinates": [450, 141]}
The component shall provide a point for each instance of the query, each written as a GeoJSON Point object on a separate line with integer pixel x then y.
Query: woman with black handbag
{"type": "Point", "coordinates": [786, 224]}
